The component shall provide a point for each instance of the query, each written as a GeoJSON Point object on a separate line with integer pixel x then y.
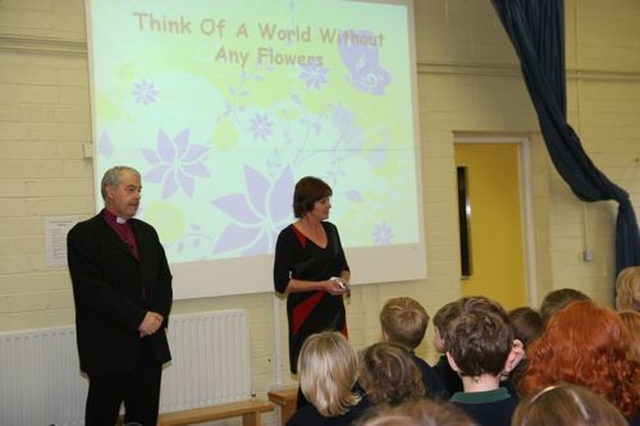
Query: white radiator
{"type": "Point", "coordinates": [41, 384]}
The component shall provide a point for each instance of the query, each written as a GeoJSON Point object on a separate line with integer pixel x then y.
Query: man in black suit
{"type": "Point", "coordinates": [122, 291]}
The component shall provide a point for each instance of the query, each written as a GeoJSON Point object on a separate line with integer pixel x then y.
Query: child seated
{"type": "Point", "coordinates": [526, 324]}
{"type": "Point", "coordinates": [388, 375]}
{"type": "Point", "coordinates": [555, 300]}
{"type": "Point", "coordinates": [479, 349]}
{"type": "Point", "coordinates": [423, 412]}
{"type": "Point", "coordinates": [328, 369]}
{"type": "Point", "coordinates": [441, 320]}
{"type": "Point", "coordinates": [588, 345]}
{"type": "Point", "coordinates": [404, 322]}
{"type": "Point", "coordinates": [567, 405]}
{"type": "Point", "coordinates": [628, 289]}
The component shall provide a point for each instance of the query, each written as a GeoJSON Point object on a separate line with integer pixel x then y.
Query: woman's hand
{"type": "Point", "coordinates": [335, 286]}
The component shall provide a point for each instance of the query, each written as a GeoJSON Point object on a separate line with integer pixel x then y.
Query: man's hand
{"type": "Point", "coordinates": [150, 324]}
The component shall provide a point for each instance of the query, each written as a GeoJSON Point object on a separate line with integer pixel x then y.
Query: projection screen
{"type": "Point", "coordinates": [223, 105]}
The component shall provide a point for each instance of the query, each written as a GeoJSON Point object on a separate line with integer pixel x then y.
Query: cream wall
{"type": "Point", "coordinates": [603, 65]}
{"type": "Point", "coordinates": [469, 82]}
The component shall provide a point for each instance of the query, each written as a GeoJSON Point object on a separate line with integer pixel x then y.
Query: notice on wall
{"type": "Point", "coordinates": [55, 230]}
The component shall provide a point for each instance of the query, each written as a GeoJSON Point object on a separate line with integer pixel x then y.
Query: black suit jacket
{"type": "Point", "coordinates": [113, 292]}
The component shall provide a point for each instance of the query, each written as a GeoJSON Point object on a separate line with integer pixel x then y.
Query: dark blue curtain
{"type": "Point", "coordinates": [536, 29]}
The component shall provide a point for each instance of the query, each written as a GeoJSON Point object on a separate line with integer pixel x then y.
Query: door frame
{"type": "Point", "coordinates": [524, 155]}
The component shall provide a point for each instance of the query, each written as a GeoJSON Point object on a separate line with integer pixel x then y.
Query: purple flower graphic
{"type": "Point", "coordinates": [144, 92]}
{"type": "Point", "coordinates": [105, 146]}
{"type": "Point", "coordinates": [261, 126]}
{"type": "Point", "coordinates": [314, 75]}
{"type": "Point", "coordinates": [362, 61]}
{"type": "Point", "coordinates": [258, 215]}
{"type": "Point", "coordinates": [382, 234]}
{"type": "Point", "coordinates": [176, 163]}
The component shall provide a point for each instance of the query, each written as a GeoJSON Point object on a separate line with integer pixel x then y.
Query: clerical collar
{"type": "Point", "coordinates": [115, 220]}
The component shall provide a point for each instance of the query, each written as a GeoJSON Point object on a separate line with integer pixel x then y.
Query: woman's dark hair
{"type": "Point", "coordinates": [308, 190]}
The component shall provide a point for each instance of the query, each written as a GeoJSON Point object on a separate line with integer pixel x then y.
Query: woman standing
{"type": "Point", "coordinates": [310, 267]}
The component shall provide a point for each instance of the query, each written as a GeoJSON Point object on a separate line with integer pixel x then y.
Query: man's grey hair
{"type": "Point", "coordinates": [113, 177]}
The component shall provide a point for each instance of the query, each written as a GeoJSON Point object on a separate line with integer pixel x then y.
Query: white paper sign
{"type": "Point", "coordinates": [55, 229]}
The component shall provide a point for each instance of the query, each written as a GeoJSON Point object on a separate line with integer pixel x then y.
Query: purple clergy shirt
{"type": "Point", "coordinates": [124, 230]}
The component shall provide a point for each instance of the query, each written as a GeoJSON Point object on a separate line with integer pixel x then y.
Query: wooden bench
{"type": "Point", "coordinates": [287, 399]}
{"type": "Point", "coordinates": [250, 411]}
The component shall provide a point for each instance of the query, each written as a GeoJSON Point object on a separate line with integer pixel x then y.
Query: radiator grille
{"type": "Point", "coordinates": [41, 383]}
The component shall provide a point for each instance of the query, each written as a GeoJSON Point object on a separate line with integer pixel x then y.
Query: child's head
{"type": "Point", "coordinates": [566, 405]}
{"type": "Point", "coordinates": [421, 412]}
{"type": "Point", "coordinates": [631, 320]}
{"type": "Point", "coordinates": [526, 324]}
{"type": "Point", "coordinates": [441, 321]}
{"type": "Point", "coordinates": [328, 369]}
{"type": "Point", "coordinates": [588, 345]}
{"type": "Point", "coordinates": [628, 288]}
{"type": "Point", "coordinates": [404, 322]}
{"type": "Point", "coordinates": [388, 374]}
{"type": "Point", "coordinates": [483, 304]}
{"type": "Point", "coordinates": [555, 300]}
{"type": "Point", "coordinates": [479, 344]}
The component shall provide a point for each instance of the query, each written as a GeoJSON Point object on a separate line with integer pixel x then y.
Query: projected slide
{"type": "Point", "coordinates": [223, 105]}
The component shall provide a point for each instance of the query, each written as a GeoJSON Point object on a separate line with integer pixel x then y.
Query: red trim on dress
{"type": "Point", "coordinates": [302, 311]}
{"type": "Point", "coordinates": [301, 237]}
